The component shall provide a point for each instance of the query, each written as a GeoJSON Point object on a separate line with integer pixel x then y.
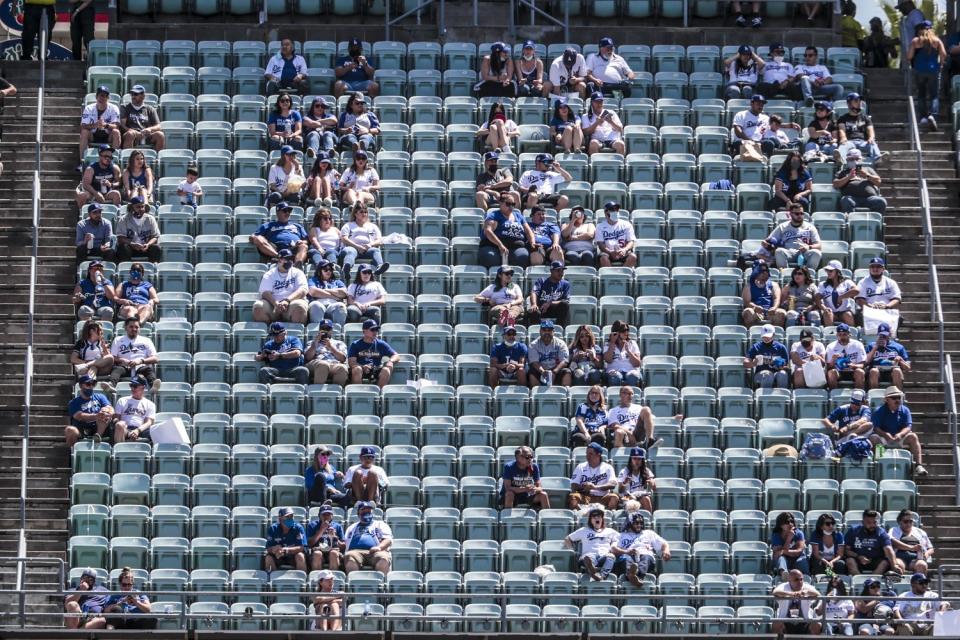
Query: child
{"type": "Point", "coordinates": [190, 190]}
{"type": "Point", "coordinates": [778, 136]}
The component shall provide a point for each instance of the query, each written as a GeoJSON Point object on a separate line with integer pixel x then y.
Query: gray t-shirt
{"type": "Point", "coordinates": [101, 232]}
{"type": "Point", "coordinates": [859, 187]}
{"type": "Point", "coordinates": [550, 355]}
{"type": "Point", "coordinates": [138, 230]}
{"type": "Point", "coordinates": [139, 119]}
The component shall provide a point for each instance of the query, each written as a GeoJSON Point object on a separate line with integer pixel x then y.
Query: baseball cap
{"type": "Point", "coordinates": [557, 264]}
{"type": "Point", "coordinates": [596, 95]}
{"type": "Point", "coordinates": [367, 451]}
{"type": "Point", "coordinates": [545, 158]}
{"type": "Point", "coordinates": [496, 47]}
{"type": "Point", "coordinates": [138, 381]}
{"type": "Point", "coordinates": [505, 269]}
{"type": "Point", "coordinates": [325, 574]}
{"type": "Point", "coordinates": [561, 101]}
{"type": "Point", "coordinates": [767, 331]}
{"type": "Point", "coordinates": [323, 156]}
{"type": "Point", "coordinates": [360, 153]}
{"type": "Point", "coordinates": [854, 153]}
{"type": "Point", "coordinates": [877, 260]}
{"type": "Point", "coordinates": [87, 379]}
{"type": "Point", "coordinates": [103, 89]}
{"type": "Point", "coordinates": [569, 56]}
{"type": "Point", "coordinates": [757, 98]}
{"type": "Point", "coordinates": [857, 396]}
{"type": "Point", "coordinates": [285, 149]}
{"type": "Point", "coordinates": [354, 42]}
{"type": "Point", "coordinates": [509, 329]}
{"type": "Point", "coordinates": [834, 265]}
{"type": "Point", "coordinates": [919, 577]}
{"type": "Point", "coordinates": [95, 264]}
{"type": "Point", "coordinates": [277, 327]}
{"type": "Point", "coordinates": [593, 446]}
{"type": "Point", "coordinates": [285, 511]}
{"type": "Point", "coordinates": [137, 90]}
{"type": "Point", "coordinates": [871, 582]}
{"type": "Point", "coordinates": [546, 324]}
{"type": "Point", "coordinates": [284, 253]}
{"type": "Point", "coordinates": [136, 200]}
{"type": "Point", "coordinates": [528, 44]}
{"type": "Point", "coordinates": [892, 392]}
{"type": "Point", "coordinates": [926, 24]}
{"type": "Point", "coordinates": [776, 46]}
{"type": "Point", "coordinates": [820, 104]}
{"type": "Point", "coordinates": [491, 155]}
{"type": "Point", "coordinates": [853, 95]}
{"type": "Point", "coordinates": [610, 205]}
{"type": "Point", "coordinates": [94, 207]}
{"type": "Point", "coordinates": [88, 573]}
{"type": "Point", "coordinates": [606, 41]}
{"type": "Point", "coordinates": [806, 333]}
{"type": "Point", "coordinates": [326, 323]}
{"type": "Point", "coordinates": [883, 329]}
{"type": "Point", "coordinates": [283, 205]}
{"type": "Point", "coordinates": [744, 49]}
{"type": "Point", "coordinates": [843, 327]}
{"type": "Point", "coordinates": [638, 452]}
{"type": "Point", "coordinates": [366, 504]}
{"type": "Point", "coordinates": [365, 268]}
{"type": "Point", "coordinates": [371, 324]}
{"type": "Point", "coordinates": [326, 509]}
{"type": "Point", "coordinates": [595, 510]}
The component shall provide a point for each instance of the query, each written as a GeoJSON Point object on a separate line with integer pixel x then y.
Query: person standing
{"type": "Point", "coordinates": [912, 18]}
{"type": "Point", "coordinates": [82, 18]}
{"type": "Point", "coordinates": [33, 11]}
{"type": "Point", "coordinates": [927, 55]}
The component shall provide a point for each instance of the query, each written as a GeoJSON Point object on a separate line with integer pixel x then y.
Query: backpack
{"type": "Point", "coordinates": [857, 449]}
{"type": "Point", "coordinates": [816, 446]}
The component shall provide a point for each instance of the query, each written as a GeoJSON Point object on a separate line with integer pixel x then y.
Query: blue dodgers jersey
{"type": "Point", "coordinates": [510, 230]}
{"type": "Point", "coordinates": [593, 419]}
{"type": "Point", "coordinates": [94, 295]}
{"type": "Point", "coordinates": [280, 234]}
{"type": "Point", "coordinates": [544, 232]}
{"type": "Point", "coordinates": [842, 416]}
{"type": "Point", "coordinates": [885, 355]}
{"type": "Point", "coordinates": [505, 354]}
{"type": "Point", "coordinates": [371, 353]}
{"type": "Point", "coordinates": [294, 537]}
{"type": "Point", "coordinates": [290, 343]}
{"type": "Point", "coordinates": [865, 543]}
{"type": "Point", "coordinates": [93, 404]}
{"type": "Point", "coordinates": [520, 478]}
{"type": "Point", "coordinates": [548, 290]}
{"type": "Point", "coordinates": [768, 350]}
{"type": "Point", "coordinates": [335, 530]}
{"type": "Point", "coordinates": [138, 293]}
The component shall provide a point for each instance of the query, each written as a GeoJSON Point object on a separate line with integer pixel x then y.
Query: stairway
{"type": "Point", "coordinates": [48, 477]}
{"type": "Point", "coordinates": [907, 261]}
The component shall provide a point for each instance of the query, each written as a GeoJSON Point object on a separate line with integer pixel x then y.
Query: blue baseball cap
{"type": "Point", "coordinates": [285, 511]}
{"type": "Point", "coordinates": [638, 452]}
{"type": "Point", "coordinates": [877, 260]}
{"type": "Point", "coordinates": [360, 153]}
{"type": "Point", "coordinates": [284, 253]}
{"type": "Point", "coordinates": [285, 149]}
{"type": "Point", "coordinates": [557, 264]}
{"type": "Point", "coordinates": [277, 328]}
{"type": "Point", "coordinates": [283, 205]}
{"type": "Point", "coordinates": [509, 329]}
{"type": "Point", "coordinates": [926, 24]}
{"type": "Point", "coordinates": [529, 44]}
{"type": "Point", "coordinates": [744, 49]}
{"type": "Point", "coordinates": [87, 379]}
{"type": "Point", "coordinates": [919, 577]}
{"type": "Point", "coordinates": [497, 47]}
{"type": "Point", "coordinates": [883, 329]}
{"type": "Point", "coordinates": [326, 323]}
{"type": "Point", "coordinates": [136, 200]}
{"type": "Point", "coordinates": [593, 446]}
{"type": "Point", "coordinates": [545, 158]}
{"type": "Point", "coordinates": [137, 89]}
{"type": "Point", "coordinates": [366, 504]}
{"type": "Point", "coordinates": [103, 89]}
{"type": "Point", "coordinates": [853, 95]}
{"type": "Point", "coordinates": [610, 205]}
{"type": "Point", "coordinates": [857, 396]}
{"type": "Point", "coordinates": [93, 206]}
{"type": "Point", "coordinates": [365, 268]}
{"type": "Point", "coordinates": [546, 324]}
{"type": "Point", "coordinates": [505, 269]}
{"type": "Point", "coordinates": [326, 508]}
{"type": "Point", "coordinates": [138, 381]}
{"type": "Point", "coordinates": [562, 100]}
{"type": "Point", "coordinates": [776, 46]}
{"type": "Point", "coordinates": [757, 98]}
{"type": "Point", "coordinates": [370, 324]}
{"type": "Point", "coordinates": [491, 155]}
{"type": "Point", "coordinates": [367, 451]}
{"type": "Point", "coordinates": [871, 582]}
{"type": "Point", "coordinates": [595, 96]}
{"type": "Point", "coordinates": [606, 41]}
{"type": "Point", "coordinates": [843, 327]}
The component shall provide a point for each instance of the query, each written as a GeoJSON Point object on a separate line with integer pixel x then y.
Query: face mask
{"type": "Point", "coordinates": [366, 518]}
{"type": "Point", "coordinates": [509, 343]}
{"type": "Point", "coordinates": [778, 59]}
{"type": "Point", "coordinates": [614, 216]}
{"type": "Point", "coordinates": [86, 392]}
{"type": "Point", "coordinates": [287, 264]}
{"type": "Point", "coordinates": [807, 343]}
{"type": "Point", "coordinates": [136, 275]}
{"type": "Point", "coordinates": [851, 164]}
{"type": "Point", "coordinates": [289, 522]}
{"type": "Point", "coordinates": [795, 164]}
{"type": "Point", "coordinates": [529, 57]}
{"type": "Point", "coordinates": [604, 56]}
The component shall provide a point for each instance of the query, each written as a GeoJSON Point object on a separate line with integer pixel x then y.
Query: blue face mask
{"type": "Point", "coordinates": [366, 518]}
{"type": "Point", "coordinates": [289, 522]}
{"type": "Point", "coordinates": [136, 275]}
{"type": "Point", "coordinates": [86, 392]}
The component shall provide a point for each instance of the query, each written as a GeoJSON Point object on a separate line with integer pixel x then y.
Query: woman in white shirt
{"type": "Point", "coordinates": [361, 239]}
{"type": "Point", "coordinates": [839, 613]}
{"type": "Point", "coordinates": [323, 182]}
{"type": "Point", "coordinates": [503, 297]}
{"type": "Point", "coordinates": [596, 544]}
{"type": "Point", "coordinates": [365, 296]}
{"type": "Point", "coordinates": [743, 71]}
{"type": "Point", "coordinates": [622, 357]}
{"type": "Point", "coordinates": [91, 353]}
{"type": "Point", "coordinates": [360, 182]}
{"type": "Point", "coordinates": [324, 238]}
{"type": "Point", "coordinates": [636, 481]}
{"type": "Point", "coordinates": [497, 131]}
{"type": "Point", "coordinates": [911, 544]}
{"type": "Point", "coordinates": [285, 179]}
{"type": "Point", "coordinates": [576, 236]}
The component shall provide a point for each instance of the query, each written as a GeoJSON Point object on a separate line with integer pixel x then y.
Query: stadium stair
{"type": "Point", "coordinates": [48, 475]}
{"type": "Point", "coordinates": [907, 257]}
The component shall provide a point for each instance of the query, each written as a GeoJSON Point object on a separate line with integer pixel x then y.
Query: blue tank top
{"type": "Point", "coordinates": [925, 61]}
{"type": "Point", "coordinates": [140, 180]}
{"type": "Point", "coordinates": [94, 294]}
{"type": "Point", "coordinates": [99, 173]}
{"type": "Point", "coordinates": [762, 296]}
{"type": "Point", "coordinates": [138, 293]}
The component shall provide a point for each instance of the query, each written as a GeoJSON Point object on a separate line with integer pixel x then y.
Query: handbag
{"type": "Point", "coordinates": [750, 151]}
{"type": "Point", "coordinates": [813, 374]}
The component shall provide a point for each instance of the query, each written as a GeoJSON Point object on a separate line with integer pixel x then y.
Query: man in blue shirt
{"type": "Point", "coordinates": [893, 428]}
{"type": "Point", "coordinates": [769, 360]}
{"type": "Point", "coordinates": [278, 234]}
{"type": "Point", "coordinates": [282, 356]}
{"type": "Point", "coordinates": [508, 360]}
{"type": "Point", "coordinates": [521, 482]}
{"type": "Point", "coordinates": [90, 412]}
{"type": "Point", "coordinates": [365, 357]}
{"type": "Point", "coordinates": [546, 234]}
{"type": "Point", "coordinates": [368, 542]}
{"type": "Point", "coordinates": [85, 608]}
{"type": "Point", "coordinates": [887, 359]}
{"type": "Point", "coordinates": [94, 235]}
{"type": "Point", "coordinates": [325, 540]}
{"type": "Point", "coordinates": [286, 543]}
{"type": "Point", "coordinates": [869, 549]}
{"type": "Point", "coordinates": [354, 72]}
{"type": "Point", "coordinates": [850, 420]}
{"type": "Point", "coordinates": [550, 296]}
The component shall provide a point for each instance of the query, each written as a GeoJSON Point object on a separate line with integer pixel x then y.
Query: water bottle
{"type": "Point", "coordinates": [879, 451]}
{"type": "Point", "coordinates": [104, 185]}
{"type": "Point", "coordinates": [801, 259]}
{"type": "Point", "coordinates": [547, 378]}
{"type": "Point", "coordinates": [90, 243]}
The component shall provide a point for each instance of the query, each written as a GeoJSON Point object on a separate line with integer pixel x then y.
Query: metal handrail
{"type": "Point", "coordinates": [421, 5]}
{"type": "Point", "coordinates": [535, 11]}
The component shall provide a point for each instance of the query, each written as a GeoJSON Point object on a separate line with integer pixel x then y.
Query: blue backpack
{"type": "Point", "coordinates": [857, 449]}
{"type": "Point", "coordinates": [816, 446]}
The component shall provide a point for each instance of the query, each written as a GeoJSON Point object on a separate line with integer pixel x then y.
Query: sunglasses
{"type": "Point", "coordinates": [326, 268]}
{"type": "Point", "coordinates": [107, 155]}
{"type": "Point", "coordinates": [829, 524]}
{"type": "Point", "coordinates": [126, 584]}
{"type": "Point", "coordinates": [527, 457]}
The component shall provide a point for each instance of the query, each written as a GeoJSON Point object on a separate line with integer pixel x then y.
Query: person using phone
{"type": "Point", "coordinates": [859, 185]}
{"type": "Point", "coordinates": [355, 72]}
{"type": "Point", "coordinates": [887, 359]}
{"type": "Point", "coordinates": [326, 357]}
{"type": "Point", "coordinates": [131, 604]}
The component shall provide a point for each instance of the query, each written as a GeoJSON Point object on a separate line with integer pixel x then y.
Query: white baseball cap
{"type": "Point", "coordinates": [767, 331]}
{"type": "Point", "coordinates": [834, 265]}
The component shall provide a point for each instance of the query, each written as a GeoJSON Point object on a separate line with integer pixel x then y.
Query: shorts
{"type": "Point", "coordinates": [590, 499]}
{"type": "Point", "coordinates": [367, 558]}
{"type": "Point", "coordinates": [906, 557]}
{"type": "Point", "coordinates": [100, 136]}
{"type": "Point", "coordinates": [606, 144]}
{"type": "Point", "coordinates": [520, 499]}
{"type": "Point", "coordinates": [267, 308]}
{"type": "Point", "coordinates": [373, 374]}
{"type": "Point", "coordinates": [871, 566]}
{"type": "Point", "coordinates": [644, 564]}
{"type": "Point", "coordinates": [548, 199]}
{"type": "Point", "coordinates": [358, 85]}
{"type": "Point", "coordinates": [915, 629]}
{"type": "Point", "coordinates": [885, 371]}
{"type": "Point", "coordinates": [285, 561]}
{"type": "Point", "coordinates": [846, 374]}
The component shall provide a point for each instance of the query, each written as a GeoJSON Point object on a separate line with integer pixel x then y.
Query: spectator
{"type": "Point", "coordinates": [366, 357]}
{"type": "Point", "coordinates": [858, 185]}
{"type": "Point", "coordinates": [84, 609]}
{"type": "Point", "coordinates": [360, 183]}
{"type": "Point", "coordinates": [539, 187]}
{"type": "Point", "coordinates": [189, 189]}
{"type": "Point", "coordinates": [795, 238]}
{"type": "Point", "coordinates": [593, 481]}
{"type": "Point", "coordinates": [633, 424]}
{"type": "Point", "coordinates": [140, 123]}
{"type": "Point", "coordinates": [886, 360]}
{"type": "Point", "coordinates": [597, 544]}
{"type": "Point", "coordinates": [636, 482]}
{"type": "Point", "coordinates": [919, 612]}
{"type": "Point", "coordinates": [755, 21]}
{"type": "Point", "coordinates": [743, 72]}
{"type": "Point", "coordinates": [797, 299]}
{"type": "Point", "coordinates": [94, 294]}
{"type": "Point", "coordinates": [285, 181]}
{"type": "Point", "coordinates": [521, 482]}
{"type": "Point", "coordinates": [549, 359]}
{"type": "Point", "coordinates": [285, 125]}
{"type": "Point", "coordinates": [872, 605]}
{"type": "Point", "coordinates": [822, 131]}
{"type": "Point", "coordinates": [827, 550]}
{"type": "Point", "coordinates": [637, 550]}
{"type": "Point", "coordinates": [602, 127]}
{"type": "Point", "coordinates": [835, 295]}
{"type": "Point", "coordinates": [749, 125]}
{"type": "Point", "coordinates": [761, 298]}
{"type": "Point", "coordinates": [90, 413]}
{"type": "Point", "coordinates": [778, 137]}
{"type": "Point", "coordinates": [286, 543]}
{"type": "Point", "coordinates": [358, 128]}
{"type": "Point", "coordinates": [94, 235]}
{"type": "Point", "coordinates": [323, 185]}
{"type": "Point", "coordinates": [498, 130]}
{"type": "Point", "coordinates": [496, 74]}
{"type": "Point", "coordinates": [768, 358]}
{"type": "Point", "coordinates": [368, 542]}
{"type": "Point", "coordinates": [324, 240]}
{"type": "Point", "coordinates": [508, 360]}
{"type": "Point", "coordinates": [789, 546]}
{"type": "Point", "coordinates": [354, 72]}
{"type": "Point", "coordinates": [90, 354]}
{"type": "Point", "coordinates": [327, 607]}
{"type": "Point", "coordinates": [319, 128]}
{"type": "Point", "coordinates": [506, 237]}
{"type": "Point", "coordinates": [138, 234]}
{"type": "Point", "coordinates": [792, 183]}
{"type": "Point", "coordinates": [82, 24]}
{"type": "Point", "coordinates": [287, 70]}
{"type": "Point", "coordinates": [504, 299]}
{"type": "Point", "coordinates": [845, 359]}
{"type": "Point", "coordinates": [99, 124]}
{"type": "Point", "coordinates": [550, 296]}
{"type": "Point", "coordinates": [608, 72]}
{"type": "Point", "coordinates": [927, 56]}
{"type": "Point", "coordinates": [856, 132]}
{"type": "Point", "coordinates": [365, 481]}
{"type": "Point", "coordinates": [137, 178]}
{"type": "Point", "coordinates": [493, 182]}
{"type": "Point", "coordinates": [133, 355]}
{"type": "Point", "coordinates": [529, 70]}
{"type": "Point", "coordinates": [615, 238]}
{"type": "Point", "coordinates": [893, 428]}
{"type": "Point", "coordinates": [135, 414]}
{"type": "Point", "coordinates": [815, 78]}
{"type": "Point", "coordinates": [326, 357]}
{"type": "Point", "coordinates": [282, 358]}
{"type": "Point", "coordinates": [565, 127]}
{"type": "Point", "coordinates": [283, 292]}
{"type": "Point", "coordinates": [568, 74]}
{"type": "Point", "coordinates": [577, 235]}
{"type": "Point", "coordinates": [274, 236]}
{"type": "Point", "coordinates": [586, 360]}
{"type": "Point", "coordinates": [101, 181]}
{"type": "Point", "coordinates": [590, 420]}
{"type": "Point", "coordinates": [365, 296]}
{"type": "Point", "coordinates": [868, 547]}
{"type": "Point", "coordinates": [850, 420]}
{"type": "Point", "coordinates": [327, 296]}
{"type": "Point", "coordinates": [322, 481]}
{"type": "Point", "coordinates": [877, 289]}
{"type": "Point", "coordinates": [838, 613]}
{"type": "Point", "coordinates": [804, 350]}
{"type": "Point", "coordinates": [622, 357]}
{"type": "Point", "coordinates": [911, 545]}
{"type": "Point", "coordinates": [794, 599]}
{"type": "Point", "coordinates": [879, 49]}
{"type": "Point", "coordinates": [325, 540]}
{"type": "Point", "coordinates": [779, 77]}
{"type": "Point", "coordinates": [130, 604]}
{"type": "Point", "coordinates": [136, 297]}
{"type": "Point", "coordinates": [912, 18]}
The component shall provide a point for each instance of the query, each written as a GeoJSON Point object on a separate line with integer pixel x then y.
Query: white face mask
{"type": "Point", "coordinates": [778, 59]}
{"type": "Point", "coordinates": [529, 57]}
{"type": "Point", "coordinates": [509, 343]}
{"type": "Point", "coordinates": [614, 216]}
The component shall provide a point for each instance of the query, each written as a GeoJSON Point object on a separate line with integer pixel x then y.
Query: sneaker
{"type": "Point", "coordinates": [920, 470]}
{"type": "Point", "coordinates": [310, 153]}
{"type": "Point", "coordinates": [932, 122]}
{"type": "Point", "coordinates": [883, 156]}
{"type": "Point", "coordinates": [808, 101]}
{"type": "Point", "coordinates": [505, 149]}
{"type": "Point", "coordinates": [80, 167]}
{"type": "Point", "coordinates": [924, 121]}
{"type": "Point", "coordinates": [741, 21]}
{"type": "Point", "coordinates": [382, 268]}
{"type": "Point", "coordinates": [757, 22]}
{"type": "Point", "coordinates": [346, 272]}
{"type": "Point", "coordinates": [109, 388]}
{"type": "Point", "coordinates": [651, 443]}
{"type": "Point", "coordinates": [155, 387]}
{"type": "Point", "coordinates": [80, 369]}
